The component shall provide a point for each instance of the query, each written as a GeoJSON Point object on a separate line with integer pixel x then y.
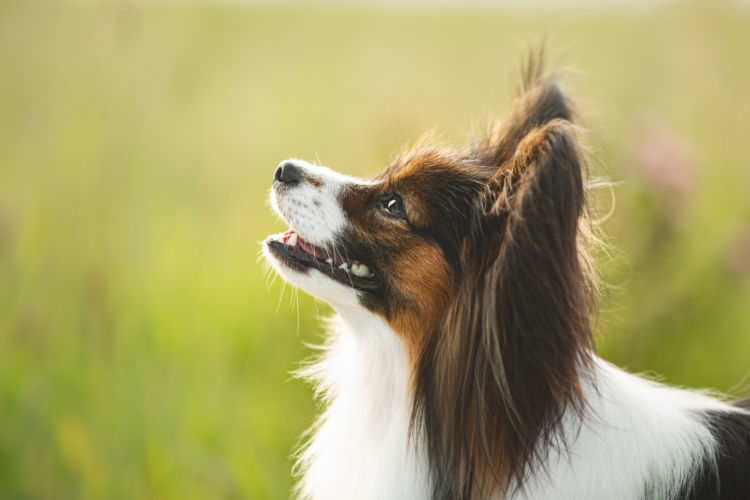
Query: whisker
{"type": "Point", "coordinates": [315, 303]}
{"type": "Point", "coordinates": [281, 297]}
{"type": "Point", "coordinates": [297, 299]}
{"type": "Point", "coordinates": [332, 253]}
{"type": "Point", "coordinates": [338, 241]}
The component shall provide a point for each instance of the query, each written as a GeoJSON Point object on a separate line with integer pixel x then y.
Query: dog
{"type": "Point", "coordinates": [460, 363]}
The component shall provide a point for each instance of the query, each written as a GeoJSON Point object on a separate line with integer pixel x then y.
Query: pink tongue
{"type": "Point", "coordinates": [312, 250]}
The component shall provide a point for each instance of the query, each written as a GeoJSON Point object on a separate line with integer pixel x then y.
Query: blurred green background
{"type": "Point", "coordinates": [143, 353]}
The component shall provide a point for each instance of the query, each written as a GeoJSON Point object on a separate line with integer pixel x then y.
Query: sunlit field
{"type": "Point", "coordinates": [144, 350]}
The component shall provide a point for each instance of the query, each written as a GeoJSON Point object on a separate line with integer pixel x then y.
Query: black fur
{"type": "Point", "coordinates": [728, 478]}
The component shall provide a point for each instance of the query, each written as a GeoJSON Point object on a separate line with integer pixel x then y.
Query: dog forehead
{"type": "Point", "coordinates": [418, 176]}
{"type": "Point", "coordinates": [420, 163]}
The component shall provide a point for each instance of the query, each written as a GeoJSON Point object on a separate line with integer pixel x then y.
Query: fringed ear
{"type": "Point", "coordinates": [540, 189]}
{"type": "Point", "coordinates": [535, 295]}
{"type": "Point", "coordinates": [494, 382]}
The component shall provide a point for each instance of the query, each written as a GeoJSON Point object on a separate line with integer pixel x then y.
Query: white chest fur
{"type": "Point", "coordinates": [360, 447]}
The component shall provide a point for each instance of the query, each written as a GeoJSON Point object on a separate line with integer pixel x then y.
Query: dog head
{"type": "Point", "coordinates": [390, 245]}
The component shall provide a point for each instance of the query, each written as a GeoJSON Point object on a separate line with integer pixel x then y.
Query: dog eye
{"type": "Point", "coordinates": [394, 206]}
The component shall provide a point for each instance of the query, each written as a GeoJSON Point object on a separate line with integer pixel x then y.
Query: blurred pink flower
{"type": "Point", "coordinates": [664, 161]}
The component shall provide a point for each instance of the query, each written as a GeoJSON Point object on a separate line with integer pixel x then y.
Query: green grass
{"type": "Point", "coordinates": [140, 352]}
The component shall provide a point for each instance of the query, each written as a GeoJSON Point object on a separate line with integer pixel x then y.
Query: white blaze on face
{"type": "Point", "coordinates": [312, 207]}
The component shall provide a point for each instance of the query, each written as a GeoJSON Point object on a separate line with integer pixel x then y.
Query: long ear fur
{"type": "Point", "coordinates": [493, 382]}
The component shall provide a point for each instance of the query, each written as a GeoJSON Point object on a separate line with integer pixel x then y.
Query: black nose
{"type": "Point", "coordinates": [288, 173]}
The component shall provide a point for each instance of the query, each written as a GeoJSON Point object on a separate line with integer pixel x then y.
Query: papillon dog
{"type": "Point", "coordinates": [460, 363]}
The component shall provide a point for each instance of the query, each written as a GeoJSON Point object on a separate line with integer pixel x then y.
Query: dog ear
{"type": "Point", "coordinates": [540, 188]}
{"type": "Point", "coordinates": [535, 194]}
{"type": "Point", "coordinates": [508, 357]}
{"type": "Point", "coordinates": [534, 290]}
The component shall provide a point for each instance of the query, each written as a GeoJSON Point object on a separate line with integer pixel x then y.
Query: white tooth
{"type": "Point", "coordinates": [344, 267]}
{"type": "Point", "coordinates": [371, 275]}
{"type": "Point", "coordinates": [360, 270]}
{"type": "Point", "coordinates": [292, 241]}
{"type": "Point", "coordinates": [329, 261]}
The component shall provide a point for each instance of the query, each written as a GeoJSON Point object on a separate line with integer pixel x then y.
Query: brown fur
{"type": "Point", "coordinates": [422, 268]}
{"type": "Point", "coordinates": [315, 181]}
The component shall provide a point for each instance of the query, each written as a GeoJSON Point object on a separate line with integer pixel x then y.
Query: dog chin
{"type": "Point", "coordinates": [313, 282]}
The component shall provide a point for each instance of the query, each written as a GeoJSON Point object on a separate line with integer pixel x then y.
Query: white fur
{"type": "Point", "coordinates": [360, 447]}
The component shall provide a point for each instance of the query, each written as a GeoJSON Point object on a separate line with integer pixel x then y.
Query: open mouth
{"type": "Point", "coordinates": [301, 255]}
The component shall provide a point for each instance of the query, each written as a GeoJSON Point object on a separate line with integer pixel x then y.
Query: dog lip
{"type": "Point", "coordinates": [299, 258]}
